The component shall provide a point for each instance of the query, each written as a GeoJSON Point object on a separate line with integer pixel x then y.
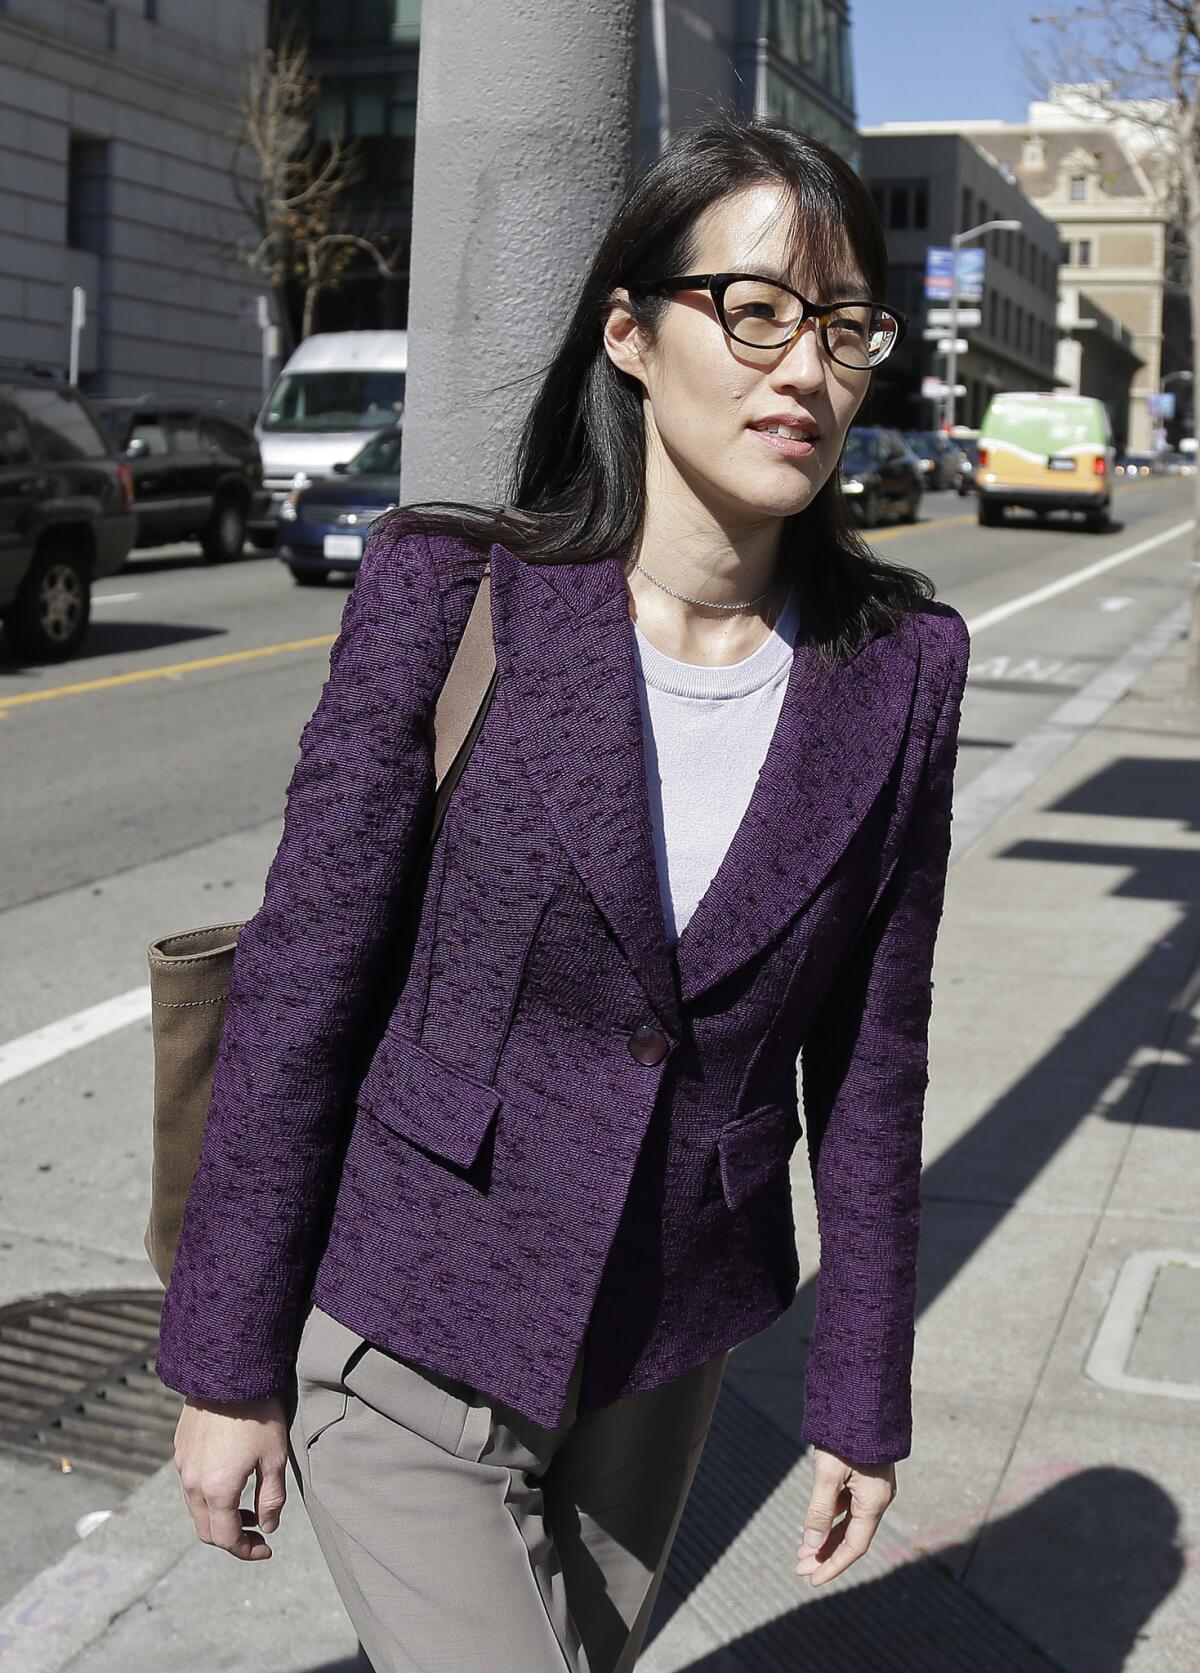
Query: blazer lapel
{"type": "Point", "coordinates": [835, 743]}
{"type": "Point", "coordinates": [565, 651]}
{"type": "Point", "coordinates": [565, 648]}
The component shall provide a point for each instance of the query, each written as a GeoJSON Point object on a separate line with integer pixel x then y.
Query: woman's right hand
{"type": "Point", "coordinates": [219, 1445]}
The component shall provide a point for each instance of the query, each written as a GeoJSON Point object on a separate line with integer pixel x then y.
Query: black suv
{"type": "Point", "coordinates": [197, 472]}
{"type": "Point", "coordinates": [66, 513]}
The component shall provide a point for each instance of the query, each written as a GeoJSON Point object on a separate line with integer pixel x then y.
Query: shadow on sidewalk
{"type": "Point", "coordinates": [1092, 1556]}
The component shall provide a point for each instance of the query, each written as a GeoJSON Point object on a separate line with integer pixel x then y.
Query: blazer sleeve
{"type": "Point", "coordinates": [864, 1076]}
{"type": "Point", "coordinates": [304, 968]}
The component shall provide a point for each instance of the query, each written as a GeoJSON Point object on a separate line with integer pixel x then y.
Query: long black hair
{"type": "Point", "coordinates": [575, 489]}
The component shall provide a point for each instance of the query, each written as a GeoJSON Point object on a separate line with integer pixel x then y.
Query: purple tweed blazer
{"type": "Point", "coordinates": [488, 1172]}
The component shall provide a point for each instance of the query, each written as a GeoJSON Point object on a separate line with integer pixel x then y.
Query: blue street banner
{"type": "Point", "coordinates": [1162, 406]}
{"type": "Point", "coordinates": [939, 270]}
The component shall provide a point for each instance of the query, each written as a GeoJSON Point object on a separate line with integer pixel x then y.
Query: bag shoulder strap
{"type": "Point", "coordinates": [464, 700]}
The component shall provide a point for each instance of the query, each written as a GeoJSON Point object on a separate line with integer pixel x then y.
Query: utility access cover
{"type": "Point", "coordinates": [77, 1384]}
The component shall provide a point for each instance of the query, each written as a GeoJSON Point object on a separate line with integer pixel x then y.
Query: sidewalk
{"type": "Point", "coordinates": [1049, 1515]}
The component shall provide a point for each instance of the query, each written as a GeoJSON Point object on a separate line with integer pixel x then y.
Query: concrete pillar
{"type": "Point", "coordinates": [526, 115]}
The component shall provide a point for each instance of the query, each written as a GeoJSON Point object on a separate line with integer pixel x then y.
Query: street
{"type": "Point", "coordinates": [154, 768]}
{"type": "Point", "coordinates": [144, 784]}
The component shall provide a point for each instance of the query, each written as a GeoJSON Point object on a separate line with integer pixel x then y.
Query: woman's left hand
{"type": "Point", "coordinates": [864, 1491]}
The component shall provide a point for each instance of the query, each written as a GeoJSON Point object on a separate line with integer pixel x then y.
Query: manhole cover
{"type": "Point", "coordinates": [77, 1383]}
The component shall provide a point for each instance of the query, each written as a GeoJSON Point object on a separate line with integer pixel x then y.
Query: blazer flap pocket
{"type": "Point", "coordinates": [754, 1148]}
{"type": "Point", "coordinates": [426, 1101]}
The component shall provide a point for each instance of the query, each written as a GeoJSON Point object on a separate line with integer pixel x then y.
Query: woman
{"type": "Point", "coordinates": [706, 825]}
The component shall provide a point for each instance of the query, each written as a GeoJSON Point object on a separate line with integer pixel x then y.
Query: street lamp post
{"type": "Point", "coordinates": [957, 240]}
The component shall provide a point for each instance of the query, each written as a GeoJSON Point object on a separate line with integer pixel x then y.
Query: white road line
{"type": "Point", "coordinates": [113, 598]}
{"type": "Point", "coordinates": [43, 1045]}
{"type": "Point", "coordinates": [1002, 612]}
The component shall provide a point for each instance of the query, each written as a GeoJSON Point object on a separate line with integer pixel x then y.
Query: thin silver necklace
{"type": "Point", "coordinates": [707, 604]}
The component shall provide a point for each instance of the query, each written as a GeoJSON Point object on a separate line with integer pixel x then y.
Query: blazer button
{"type": "Point", "coordinates": [647, 1045]}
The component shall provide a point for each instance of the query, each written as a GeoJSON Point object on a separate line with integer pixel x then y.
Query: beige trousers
{"type": "Point", "coordinates": [463, 1538]}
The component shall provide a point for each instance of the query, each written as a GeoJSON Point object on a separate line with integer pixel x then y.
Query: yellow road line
{"type": "Point", "coordinates": [876, 535]}
{"type": "Point", "coordinates": [172, 671]}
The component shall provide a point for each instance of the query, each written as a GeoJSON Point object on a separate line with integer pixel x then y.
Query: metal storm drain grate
{"type": "Point", "coordinates": [77, 1383]}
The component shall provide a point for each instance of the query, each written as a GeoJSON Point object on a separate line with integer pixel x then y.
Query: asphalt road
{"type": "Point", "coordinates": [107, 773]}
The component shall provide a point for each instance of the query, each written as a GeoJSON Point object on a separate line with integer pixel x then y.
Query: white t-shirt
{"type": "Point", "coordinates": [706, 733]}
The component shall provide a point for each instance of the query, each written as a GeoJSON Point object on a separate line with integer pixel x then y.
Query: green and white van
{"type": "Point", "coordinates": [1045, 452]}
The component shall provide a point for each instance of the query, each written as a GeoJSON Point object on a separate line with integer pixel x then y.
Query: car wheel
{"type": "Point", "coordinates": [868, 509]}
{"type": "Point", "coordinates": [262, 540]}
{"type": "Point", "coordinates": [911, 510]}
{"type": "Point", "coordinates": [223, 537]}
{"type": "Point", "coordinates": [1097, 521]}
{"type": "Point", "coordinates": [305, 576]}
{"type": "Point", "coordinates": [49, 619]}
{"type": "Point", "coordinates": [990, 516]}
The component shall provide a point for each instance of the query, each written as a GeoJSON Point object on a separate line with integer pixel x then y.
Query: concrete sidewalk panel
{"type": "Point", "coordinates": [1095, 1553]}
{"type": "Point", "coordinates": [63, 1609]}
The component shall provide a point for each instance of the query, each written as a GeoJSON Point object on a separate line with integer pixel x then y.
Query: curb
{"type": "Point", "coordinates": [57, 1614]}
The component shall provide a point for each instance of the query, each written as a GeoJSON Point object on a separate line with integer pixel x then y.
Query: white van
{"type": "Point", "coordinates": [335, 390]}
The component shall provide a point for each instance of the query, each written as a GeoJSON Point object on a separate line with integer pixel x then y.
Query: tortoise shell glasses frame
{"type": "Point", "coordinates": [856, 333]}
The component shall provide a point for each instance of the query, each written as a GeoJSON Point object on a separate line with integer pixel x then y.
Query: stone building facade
{"type": "Point", "coordinates": [115, 150]}
{"type": "Point", "coordinates": [1104, 179]}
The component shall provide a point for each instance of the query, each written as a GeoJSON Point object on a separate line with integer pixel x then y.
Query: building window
{"type": "Point", "coordinates": [991, 313]}
{"type": "Point", "coordinates": [1083, 253]}
{"type": "Point", "coordinates": [357, 22]}
{"type": "Point", "coordinates": [87, 194]}
{"type": "Point", "coordinates": [1078, 188]}
{"type": "Point", "coordinates": [812, 35]}
{"type": "Point", "coordinates": [968, 198]}
{"type": "Point", "coordinates": [902, 203]}
{"type": "Point", "coordinates": [1005, 320]}
{"type": "Point", "coordinates": [379, 113]}
{"type": "Point", "coordinates": [150, 10]}
{"type": "Point", "coordinates": [1033, 152]}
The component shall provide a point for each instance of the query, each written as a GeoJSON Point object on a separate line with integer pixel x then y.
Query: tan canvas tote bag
{"type": "Point", "coordinates": [190, 971]}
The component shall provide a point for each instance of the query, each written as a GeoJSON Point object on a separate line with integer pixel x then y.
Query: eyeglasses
{"type": "Point", "coordinates": [764, 314]}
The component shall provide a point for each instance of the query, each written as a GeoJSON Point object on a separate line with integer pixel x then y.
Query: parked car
{"type": "Point", "coordinates": [66, 513]}
{"type": "Point", "coordinates": [337, 388]}
{"type": "Point", "coordinates": [881, 476]}
{"type": "Point", "coordinates": [322, 528]}
{"type": "Point", "coordinates": [968, 458]}
{"type": "Point", "coordinates": [938, 456]}
{"type": "Point", "coordinates": [1135, 464]}
{"type": "Point", "coordinates": [1046, 452]}
{"type": "Point", "coordinates": [197, 472]}
{"type": "Point", "coordinates": [1172, 463]}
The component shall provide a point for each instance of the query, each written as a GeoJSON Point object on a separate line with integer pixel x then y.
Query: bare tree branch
{"type": "Point", "coordinates": [293, 185]}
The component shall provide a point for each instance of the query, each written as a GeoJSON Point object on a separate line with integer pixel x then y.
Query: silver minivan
{"type": "Point", "coordinates": [337, 387]}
